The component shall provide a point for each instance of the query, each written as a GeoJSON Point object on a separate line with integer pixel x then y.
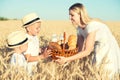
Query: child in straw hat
{"type": "Point", "coordinates": [32, 23]}
{"type": "Point", "coordinates": [18, 41]}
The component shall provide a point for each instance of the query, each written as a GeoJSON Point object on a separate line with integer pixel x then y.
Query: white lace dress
{"type": "Point", "coordinates": [107, 46]}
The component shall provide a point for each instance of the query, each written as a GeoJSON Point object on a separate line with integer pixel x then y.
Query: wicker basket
{"type": "Point", "coordinates": [61, 50]}
{"type": "Point", "coordinates": [64, 53]}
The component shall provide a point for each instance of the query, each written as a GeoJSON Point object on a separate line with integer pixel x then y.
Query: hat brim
{"type": "Point", "coordinates": [19, 44]}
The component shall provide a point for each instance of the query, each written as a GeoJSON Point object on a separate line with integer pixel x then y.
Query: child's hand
{"type": "Point", "coordinates": [40, 50]}
{"type": "Point", "coordinates": [46, 53]}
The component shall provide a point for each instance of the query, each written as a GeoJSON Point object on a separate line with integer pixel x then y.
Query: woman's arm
{"type": "Point", "coordinates": [80, 42]}
{"type": "Point", "coordinates": [89, 45]}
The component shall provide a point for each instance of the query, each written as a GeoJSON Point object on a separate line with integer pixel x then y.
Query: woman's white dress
{"type": "Point", "coordinates": [107, 46]}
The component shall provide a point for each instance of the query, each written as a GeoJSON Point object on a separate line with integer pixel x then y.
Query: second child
{"type": "Point", "coordinates": [32, 23]}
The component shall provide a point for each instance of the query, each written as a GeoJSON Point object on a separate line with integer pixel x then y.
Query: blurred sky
{"type": "Point", "coordinates": [108, 10]}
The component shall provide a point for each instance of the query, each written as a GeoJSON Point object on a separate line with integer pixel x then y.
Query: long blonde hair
{"type": "Point", "coordinates": [80, 9]}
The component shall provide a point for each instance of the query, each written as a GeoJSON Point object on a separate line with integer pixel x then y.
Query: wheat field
{"type": "Point", "coordinates": [48, 69]}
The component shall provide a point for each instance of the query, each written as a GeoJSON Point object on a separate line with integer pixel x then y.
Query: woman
{"type": "Point", "coordinates": [93, 36]}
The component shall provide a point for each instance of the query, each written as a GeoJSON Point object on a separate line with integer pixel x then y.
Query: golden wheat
{"type": "Point", "coordinates": [48, 69]}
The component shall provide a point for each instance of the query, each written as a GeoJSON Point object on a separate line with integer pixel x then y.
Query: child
{"type": "Point", "coordinates": [18, 41]}
{"type": "Point", "coordinates": [32, 23]}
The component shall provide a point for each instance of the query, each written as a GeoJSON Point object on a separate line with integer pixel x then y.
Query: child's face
{"type": "Point", "coordinates": [34, 28]}
{"type": "Point", "coordinates": [24, 47]}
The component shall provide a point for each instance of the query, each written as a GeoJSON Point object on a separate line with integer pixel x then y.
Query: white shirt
{"type": "Point", "coordinates": [33, 50]}
{"type": "Point", "coordinates": [18, 60]}
{"type": "Point", "coordinates": [33, 46]}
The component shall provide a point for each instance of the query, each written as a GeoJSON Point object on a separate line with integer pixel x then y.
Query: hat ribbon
{"type": "Point", "coordinates": [32, 21]}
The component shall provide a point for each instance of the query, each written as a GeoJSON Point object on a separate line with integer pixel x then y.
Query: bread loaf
{"type": "Point", "coordinates": [54, 46]}
{"type": "Point", "coordinates": [72, 41]}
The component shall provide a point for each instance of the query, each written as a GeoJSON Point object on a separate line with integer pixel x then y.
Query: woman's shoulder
{"type": "Point", "coordinates": [94, 25]}
{"type": "Point", "coordinates": [96, 22]}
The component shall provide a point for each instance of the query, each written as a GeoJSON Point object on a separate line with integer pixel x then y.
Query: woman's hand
{"type": "Point", "coordinates": [61, 60]}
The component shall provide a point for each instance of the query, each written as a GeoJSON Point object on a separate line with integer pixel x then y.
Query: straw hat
{"type": "Point", "coordinates": [30, 19]}
{"type": "Point", "coordinates": [16, 39]}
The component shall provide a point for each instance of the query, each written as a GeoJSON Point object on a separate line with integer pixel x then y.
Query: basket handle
{"type": "Point", "coordinates": [64, 35]}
